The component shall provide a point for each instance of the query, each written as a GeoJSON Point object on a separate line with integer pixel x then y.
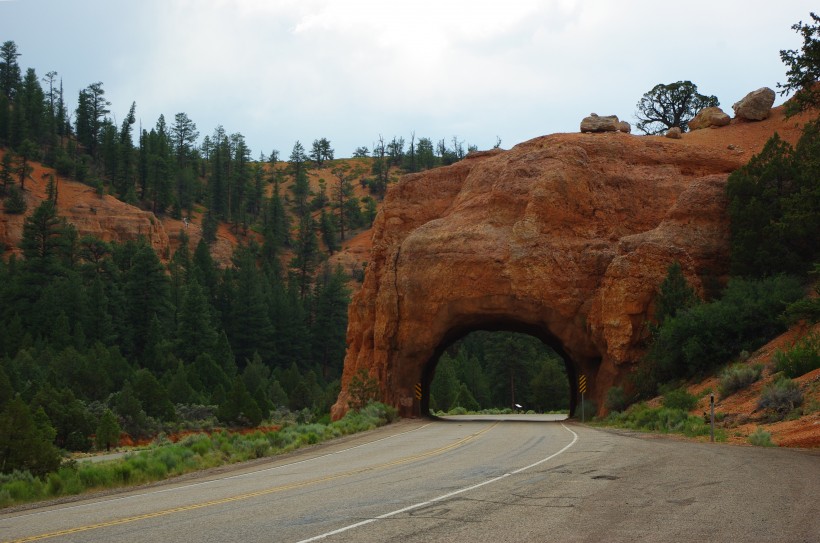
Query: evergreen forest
{"type": "Point", "coordinates": [99, 338]}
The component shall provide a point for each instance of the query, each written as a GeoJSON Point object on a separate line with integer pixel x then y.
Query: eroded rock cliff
{"type": "Point", "coordinates": [565, 236]}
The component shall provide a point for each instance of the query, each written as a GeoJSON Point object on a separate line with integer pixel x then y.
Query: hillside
{"type": "Point", "coordinates": [739, 413]}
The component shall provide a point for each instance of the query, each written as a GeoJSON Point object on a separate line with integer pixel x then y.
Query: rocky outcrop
{"type": "Point", "coordinates": [755, 106]}
{"type": "Point", "coordinates": [565, 237]}
{"type": "Point", "coordinates": [113, 220]}
{"type": "Point", "coordinates": [597, 123]}
{"type": "Point", "coordinates": [103, 217]}
{"type": "Point", "coordinates": [673, 133]}
{"type": "Point", "coordinates": [709, 117]}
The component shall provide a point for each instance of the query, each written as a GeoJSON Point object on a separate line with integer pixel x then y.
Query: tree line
{"type": "Point", "coordinates": [90, 327]}
{"type": "Point", "coordinates": [99, 338]}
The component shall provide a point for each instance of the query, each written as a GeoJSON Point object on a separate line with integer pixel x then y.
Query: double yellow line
{"type": "Point", "coordinates": [249, 495]}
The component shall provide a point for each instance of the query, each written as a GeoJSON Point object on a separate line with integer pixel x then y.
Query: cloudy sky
{"type": "Point", "coordinates": [278, 71]}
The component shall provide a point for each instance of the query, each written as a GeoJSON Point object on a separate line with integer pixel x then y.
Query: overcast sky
{"type": "Point", "coordinates": [278, 71]}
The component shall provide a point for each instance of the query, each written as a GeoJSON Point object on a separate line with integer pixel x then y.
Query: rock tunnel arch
{"type": "Point", "coordinates": [565, 237]}
{"type": "Point", "coordinates": [498, 325]}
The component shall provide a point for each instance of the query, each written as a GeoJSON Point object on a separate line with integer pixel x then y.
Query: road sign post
{"type": "Point", "coordinates": [712, 416]}
{"type": "Point", "coordinates": [582, 388]}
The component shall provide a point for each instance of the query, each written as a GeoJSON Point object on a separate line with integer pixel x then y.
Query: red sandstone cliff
{"type": "Point", "coordinates": [565, 236]}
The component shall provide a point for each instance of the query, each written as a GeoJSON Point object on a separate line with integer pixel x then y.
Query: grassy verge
{"type": "Point", "coordinates": [195, 452]}
{"type": "Point", "coordinates": [665, 420]}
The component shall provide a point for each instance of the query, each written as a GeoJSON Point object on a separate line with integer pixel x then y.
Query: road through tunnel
{"type": "Point", "coordinates": [498, 365]}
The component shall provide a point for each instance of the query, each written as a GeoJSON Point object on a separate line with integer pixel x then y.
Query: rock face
{"type": "Point", "coordinates": [596, 123]}
{"type": "Point", "coordinates": [708, 117]}
{"type": "Point", "coordinates": [756, 105]}
{"type": "Point", "coordinates": [104, 217]}
{"type": "Point", "coordinates": [565, 237]}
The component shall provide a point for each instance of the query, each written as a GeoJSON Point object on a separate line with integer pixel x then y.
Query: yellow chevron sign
{"type": "Point", "coordinates": [418, 391]}
{"type": "Point", "coordinates": [582, 384]}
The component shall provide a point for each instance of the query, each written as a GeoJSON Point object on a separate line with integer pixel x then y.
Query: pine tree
{"type": "Point", "coordinates": [123, 177]}
{"type": "Point", "coordinates": [9, 69]}
{"type": "Point", "coordinates": [6, 171]}
{"type": "Point", "coordinates": [26, 153]}
{"type": "Point", "coordinates": [239, 407]}
{"type": "Point", "coordinates": [674, 294]}
{"type": "Point", "coordinates": [329, 326]}
{"type": "Point", "coordinates": [153, 396]}
{"type": "Point", "coordinates": [248, 324]}
{"type": "Point", "coordinates": [92, 107]}
{"type": "Point", "coordinates": [306, 257]}
{"type": "Point", "coordinates": [146, 292]}
{"type": "Point", "coordinates": [23, 444]}
{"type": "Point", "coordinates": [195, 332]}
{"type": "Point", "coordinates": [343, 195]}
{"type": "Point", "coordinates": [108, 431]}
{"type": "Point", "coordinates": [328, 230]}
{"type": "Point", "coordinates": [46, 240]}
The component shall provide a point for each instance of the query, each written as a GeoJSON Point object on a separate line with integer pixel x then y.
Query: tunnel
{"type": "Point", "coordinates": [456, 334]}
{"type": "Point", "coordinates": [565, 237]}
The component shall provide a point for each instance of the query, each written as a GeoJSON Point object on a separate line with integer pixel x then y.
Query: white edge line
{"type": "Point", "coordinates": [444, 496]}
{"type": "Point", "coordinates": [191, 485]}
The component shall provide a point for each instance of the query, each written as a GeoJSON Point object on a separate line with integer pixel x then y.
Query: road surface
{"type": "Point", "coordinates": [466, 480]}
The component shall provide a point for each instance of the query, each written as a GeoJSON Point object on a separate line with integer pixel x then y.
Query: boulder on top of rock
{"type": "Point", "coordinates": [624, 127]}
{"type": "Point", "coordinates": [597, 123]}
{"type": "Point", "coordinates": [674, 133]}
{"type": "Point", "coordinates": [756, 105]}
{"type": "Point", "coordinates": [707, 117]}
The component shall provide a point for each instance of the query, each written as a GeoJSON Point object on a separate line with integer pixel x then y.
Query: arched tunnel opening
{"type": "Point", "coordinates": [521, 366]}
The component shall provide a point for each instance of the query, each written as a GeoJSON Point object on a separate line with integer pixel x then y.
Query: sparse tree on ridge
{"type": "Point", "coordinates": [27, 153]}
{"type": "Point", "coordinates": [92, 107]}
{"type": "Point", "coordinates": [343, 193]}
{"type": "Point", "coordinates": [672, 105]}
{"type": "Point", "coordinates": [803, 76]}
{"type": "Point", "coordinates": [183, 137]}
{"type": "Point", "coordinates": [321, 151]}
{"type": "Point", "coordinates": [10, 73]}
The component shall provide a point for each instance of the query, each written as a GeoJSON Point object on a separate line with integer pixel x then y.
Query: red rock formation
{"type": "Point", "coordinates": [566, 237]}
{"type": "Point", "coordinates": [103, 217]}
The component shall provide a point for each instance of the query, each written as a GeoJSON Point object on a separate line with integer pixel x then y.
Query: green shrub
{"type": "Point", "coordinates": [616, 399]}
{"type": "Point", "coordinates": [774, 208]}
{"type": "Point", "coordinates": [21, 486]}
{"type": "Point", "coordinates": [95, 475]}
{"type": "Point", "coordinates": [738, 377]}
{"type": "Point", "coordinates": [705, 336]}
{"type": "Point", "coordinates": [15, 204]}
{"type": "Point", "coordinates": [679, 399]}
{"type": "Point", "coordinates": [660, 419]}
{"type": "Point", "coordinates": [54, 484]}
{"type": "Point", "coordinates": [780, 398]}
{"type": "Point", "coordinates": [800, 358]}
{"type": "Point", "coordinates": [122, 472]}
{"type": "Point", "coordinates": [761, 438]}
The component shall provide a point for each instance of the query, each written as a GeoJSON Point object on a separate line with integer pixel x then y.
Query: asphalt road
{"type": "Point", "coordinates": [463, 480]}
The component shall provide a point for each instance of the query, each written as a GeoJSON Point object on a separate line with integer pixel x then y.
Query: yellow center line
{"type": "Point", "coordinates": [249, 495]}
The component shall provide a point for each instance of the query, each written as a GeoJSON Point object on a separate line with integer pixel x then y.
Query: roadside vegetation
{"type": "Point", "coordinates": [164, 459]}
{"type": "Point", "coordinates": [774, 208]}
